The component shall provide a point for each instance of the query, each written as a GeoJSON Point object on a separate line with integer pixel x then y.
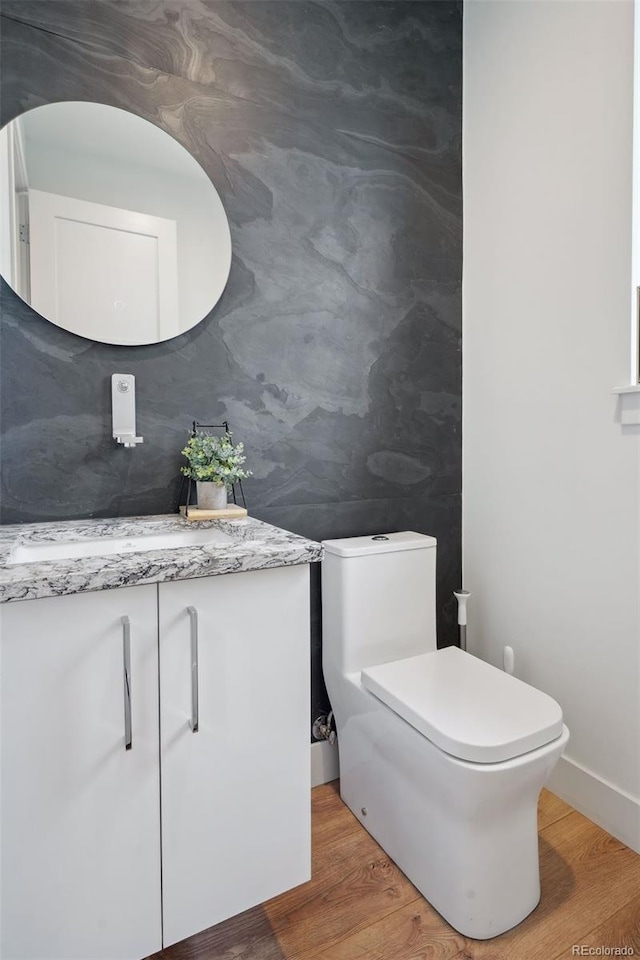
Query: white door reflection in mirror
{"type": "Point", "coordinates": [109, 288]}
{"type": "Point", "coordinates": [103, 268]}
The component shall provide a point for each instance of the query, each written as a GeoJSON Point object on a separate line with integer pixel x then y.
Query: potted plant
{"type": "Point", "coordinates": [214, 463]}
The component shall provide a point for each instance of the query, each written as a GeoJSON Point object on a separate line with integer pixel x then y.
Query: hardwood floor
{"type": "Point", "coordinates": [359, 906]}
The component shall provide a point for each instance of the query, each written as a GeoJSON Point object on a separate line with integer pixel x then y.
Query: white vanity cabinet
{"type": "Point", "coordinates": [236, 791]}
{"type": "Point", "coordinates": [80, 813]}
{"type": "Point", "coordinates": [215, 787]}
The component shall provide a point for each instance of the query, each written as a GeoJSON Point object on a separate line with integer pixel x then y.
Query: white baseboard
{"type": "Point", "coordinates": [608, 806]}
{"type": "Point", "coordinates": [325, 763]}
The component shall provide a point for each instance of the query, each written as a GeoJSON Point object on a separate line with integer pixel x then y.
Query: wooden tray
{"type": "Point", "coordinates": [231, 512]}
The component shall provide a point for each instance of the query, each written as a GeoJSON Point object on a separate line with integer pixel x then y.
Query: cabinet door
{"type": "Point", "coordinates": [79, 812]}
{"type": "Point", "coordinates": [236, 793]}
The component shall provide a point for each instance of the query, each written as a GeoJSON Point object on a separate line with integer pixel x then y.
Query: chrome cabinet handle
{"type": "Point", "coordinates": [193, 616]}
{"type": "Point", "coordinates": [126, 655]}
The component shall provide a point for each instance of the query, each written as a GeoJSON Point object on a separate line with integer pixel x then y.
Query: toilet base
{"type": "Point", "coordinates": [464, 833]}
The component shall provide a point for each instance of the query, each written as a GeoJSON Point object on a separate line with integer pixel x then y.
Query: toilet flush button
{"type": "Point", "coordinates": [380, 537]}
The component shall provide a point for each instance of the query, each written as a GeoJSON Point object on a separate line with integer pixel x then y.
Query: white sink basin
{"type": "Point", "coordinates": [106, 546]}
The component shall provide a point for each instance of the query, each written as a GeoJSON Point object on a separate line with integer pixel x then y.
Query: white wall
{"type": "Point", "coordinates": [551, 481]}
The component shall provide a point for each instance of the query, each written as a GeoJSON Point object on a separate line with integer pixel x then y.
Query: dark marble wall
{"type": "Point", "coordinates": [332, 132]}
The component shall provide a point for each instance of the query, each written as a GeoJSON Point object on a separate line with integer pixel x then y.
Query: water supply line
{"type": "Point", "coordinates": [462, 596]}
{"type": "Point", "coordinates": [324, 728]}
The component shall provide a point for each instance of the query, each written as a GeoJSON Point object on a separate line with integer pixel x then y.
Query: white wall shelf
{"type": "Point", "coordinates": [629, 403]}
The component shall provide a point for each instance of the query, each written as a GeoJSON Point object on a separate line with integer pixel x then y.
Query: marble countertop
{"type": "Point", "coordinates": [253, 545]}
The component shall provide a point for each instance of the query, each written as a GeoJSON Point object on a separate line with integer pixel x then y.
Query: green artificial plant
{"type": "Point", "coordinates": [214, 459]}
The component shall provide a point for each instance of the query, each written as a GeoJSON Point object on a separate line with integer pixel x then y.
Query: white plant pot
{"type": "Point", "coordinates": [211, 496]}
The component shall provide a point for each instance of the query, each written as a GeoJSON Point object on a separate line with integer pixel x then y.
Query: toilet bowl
{"type": "Point", "coordinates": [442, 756]}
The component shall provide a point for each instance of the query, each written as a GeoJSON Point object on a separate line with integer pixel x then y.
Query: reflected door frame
{"type": "Point", "coordinates": [63, 229]}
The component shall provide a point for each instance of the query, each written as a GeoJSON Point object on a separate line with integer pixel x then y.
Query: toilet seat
{"type": "Point", "coordinates": [465, 706]}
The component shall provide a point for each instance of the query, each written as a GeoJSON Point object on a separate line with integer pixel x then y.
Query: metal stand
{"type": "Point", "coordinates": [191, 488]}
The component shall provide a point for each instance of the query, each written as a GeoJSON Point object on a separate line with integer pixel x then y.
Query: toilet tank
{"type": "Point", "coordinates": [378, 600]}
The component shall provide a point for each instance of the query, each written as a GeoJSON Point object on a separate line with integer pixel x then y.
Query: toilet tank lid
{"type": "Point", "coordinates": [379, 543]}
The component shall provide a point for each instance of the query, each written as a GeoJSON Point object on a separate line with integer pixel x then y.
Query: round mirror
{"type": "Point", "coordinates": [109, 227]}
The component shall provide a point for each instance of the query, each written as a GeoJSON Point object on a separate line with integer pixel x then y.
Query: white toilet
{"type": "Point", "coordinates": [442, 756]}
